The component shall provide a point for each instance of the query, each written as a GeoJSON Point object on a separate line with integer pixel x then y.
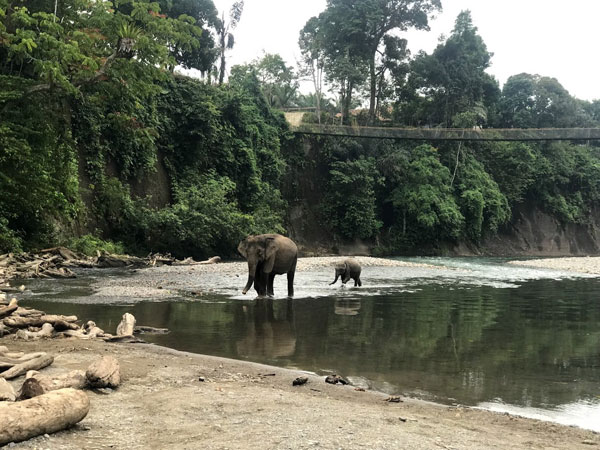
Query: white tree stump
{"type": "Point", "coordinates": [39, 384]}
{"type": "Point", "coordinates": [7, 393]}
{"type": "Point", "coordinates": [48, 413]}
{"type": "Point", "coordinates": [127, 325]}
{"type": "Point", "coordinates": [104, 372]}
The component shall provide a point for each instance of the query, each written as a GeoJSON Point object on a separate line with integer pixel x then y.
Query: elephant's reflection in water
{"type": "Point", "coordinates": [347, 306]}
{"type": "Point", "coordinates": [268, 336]}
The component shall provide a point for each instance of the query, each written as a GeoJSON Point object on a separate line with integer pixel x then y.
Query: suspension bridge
{"type": "Point", "coordinates": [450, 134]}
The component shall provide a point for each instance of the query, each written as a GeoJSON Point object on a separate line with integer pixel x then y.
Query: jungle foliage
{"type": "Point", "coordinates": [103, 146]}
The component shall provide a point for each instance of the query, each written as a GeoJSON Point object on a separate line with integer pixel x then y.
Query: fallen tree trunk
{"type": "Point", "coordinates": [47, 413]}
{"type": "Point", "coordinates": [126, 339]}
{"type": "Point", "coordinates": [6, 311]}
{"type": "Point", "coordinates": [104, 372]}
{"type": "Point", "coordinates": [150, 330]}
{"type": "Point", "coordinates": [47, 330]}
{"type": "Point", "coordinates": [126, 326]}
{"type": "Point", "coordinates": [37, 321]}
{"type": "Point", "coordinates": [38, 384]}
{"type": "Point", "coordinates": [7, 393]}
{"type": "Point", "coordinates": [213, 260]}
{"type": "Point", "coordinates": [75, 333]}
{"type": "Point", "coordinates": [33, 364]}
{"type": "Point", "coordinates": [92, 330]}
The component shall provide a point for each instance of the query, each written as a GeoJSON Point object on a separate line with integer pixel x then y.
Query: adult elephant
{"type": "Point", "coordinates": [269, 255]}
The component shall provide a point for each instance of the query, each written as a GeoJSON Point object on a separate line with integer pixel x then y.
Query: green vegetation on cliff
{"type": "Point", "coordinates": [101, 142]}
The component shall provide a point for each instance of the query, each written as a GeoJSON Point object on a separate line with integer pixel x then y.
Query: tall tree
{"type": "Point", "coordinates": [275, 80]}
{"type": "Point", "coordinates": [450, 86]}
{"type": "Point", "coordinates": [364, 25]}
{"type": "Point", "coordinates": [203, 54]}
{"type": "Point", "coordinates": [533, 101]}
{"type": "Point", "coordinates": [313, 59]}
{"type": "Point", "coordinates": [226, 39]}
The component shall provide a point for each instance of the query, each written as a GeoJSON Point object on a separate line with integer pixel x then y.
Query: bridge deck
{"type": "Point", "coordinates": [452, 134]}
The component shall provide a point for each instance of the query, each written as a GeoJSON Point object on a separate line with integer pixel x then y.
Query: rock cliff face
{"type": "Point", "coordinates": [535, 233]}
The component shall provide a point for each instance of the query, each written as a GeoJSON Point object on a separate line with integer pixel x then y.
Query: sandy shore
{"type": "Point", "coordinates": [584, 264]}
{"type": "Point", "coordinates": [163, 403]}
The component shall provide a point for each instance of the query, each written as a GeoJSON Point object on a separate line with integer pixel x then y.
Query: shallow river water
{"type": "Point", "coordinates": [474, 331]}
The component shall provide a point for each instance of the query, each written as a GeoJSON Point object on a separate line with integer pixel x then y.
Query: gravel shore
{"type": "Point", "coordinates": [583, 264]}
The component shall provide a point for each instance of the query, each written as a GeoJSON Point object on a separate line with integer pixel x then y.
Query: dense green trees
{"type": "Point", "coordinates": [450, 87]}
{"type": "Point", "coordinates": [99, 136]}
{"type": "Point", "coordinates": [89, 111]}
{"type": "Point", "coordinates": [354, 41]}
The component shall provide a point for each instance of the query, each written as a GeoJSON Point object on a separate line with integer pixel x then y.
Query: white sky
{"type": "Point", "coordinates": [555, 38]}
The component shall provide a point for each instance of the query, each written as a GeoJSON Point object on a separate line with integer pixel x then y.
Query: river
{"type": "Point", "coordinates": [473, 331]}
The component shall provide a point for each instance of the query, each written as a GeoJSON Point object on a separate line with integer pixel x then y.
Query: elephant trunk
{"type": "Point", "coordinates": [251, 272]}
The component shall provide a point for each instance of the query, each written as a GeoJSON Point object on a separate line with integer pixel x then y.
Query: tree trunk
{"type": "Point", "coordinates": [372, 90]}
{"type": "Point", "coordinates": [47, 330]}
{"type": "Point", "coordinates": [104, 372]}
{"type": "Point", "coordinates": [33, 364]}
{"type": "Point", "coordinates": [47, 413]}
{"type": "Point", "coordinates": [6, 311]}
{"type": "Point", "coordinates": [38, 321]}
{"type": "Point", "coordinates": [38, 384]}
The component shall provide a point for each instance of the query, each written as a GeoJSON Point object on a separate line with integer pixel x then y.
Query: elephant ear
{"type": "Point", "coordinates": [270, 252]}
{"type": "Point", "coordinates": [242, 248]}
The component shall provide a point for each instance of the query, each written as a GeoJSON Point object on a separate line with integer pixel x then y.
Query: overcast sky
{"type": "Point", "coordinates": [555, 38]}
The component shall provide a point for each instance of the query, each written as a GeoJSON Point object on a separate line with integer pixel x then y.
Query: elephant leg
{"type": "Point", "coordinates": [357, 282]}
{"type": "Point", "coordinates": [260, 283]}
{"type": "Point", "coordinates": [271, 279]}
{"type": "Point", "coordinates": [290, 280]}
{"type": "Point", "coordinates": [346, 278]}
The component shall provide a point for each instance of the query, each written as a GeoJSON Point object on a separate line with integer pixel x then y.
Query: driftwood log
{"type": "Point", "coordinates": [104, 372]}
{"type": "Point", "coordinates": [123, 339]}
{"type": "Point", "coordinates": [48, 413]}
{"type": "Point", "coordinates": [92, 331]}
{"type": "Point", "coordinates": [38, 321]}
{"type": "Point", "coordinates": [74, 333]}
{"type": "Point", "coordinates": [6, 311]}
{"type": "Point", "coordinates": [142, 329]}
{"type": "Point", "coordinates": [46, 331]}
{"type": "Point", "coordinates": [23, 367]}
{"type": "Point", "coordinates": [39, 384]}
{"type": "Point", "coordinates": [7, 393]}
{"type": "Point", "coordinates": [127, 325]}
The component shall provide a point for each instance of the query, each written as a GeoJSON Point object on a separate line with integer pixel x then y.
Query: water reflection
{"type": "Point", "coordinates": [267, 336]}
{"type": "Point", "coordinates": [347, 306]}
{"type": "Point", "coordinates": [515, 339]}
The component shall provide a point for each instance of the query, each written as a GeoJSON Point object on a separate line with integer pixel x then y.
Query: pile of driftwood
{"type": "Point", "coordinates": [28, 323]}
{"type": "Point", "coordinates": [46, 404]}
{"type": "Point", "coordinates": [57, 262]}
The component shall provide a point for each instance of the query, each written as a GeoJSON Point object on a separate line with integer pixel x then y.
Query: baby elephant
{"type": "Point", "coordinates": [347, 269]}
